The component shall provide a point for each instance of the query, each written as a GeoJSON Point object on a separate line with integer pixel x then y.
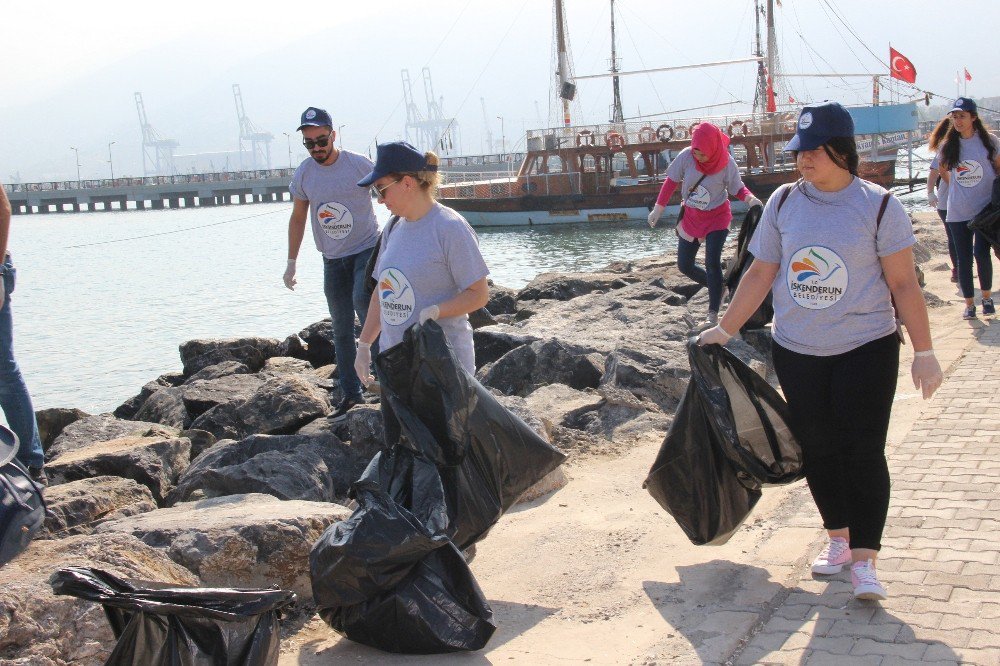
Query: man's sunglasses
{"type": "Point", "coordinates": [312, 143]}
{"type": "Point", "coordinates": [379, 192]}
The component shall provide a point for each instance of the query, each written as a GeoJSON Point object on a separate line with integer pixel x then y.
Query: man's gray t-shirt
{"type": "Point", "coordinates": [830, 295]}
{"type": "Point", "coordinates": [711, 192]}
{"type": "Point", "coordinates": [971, 186]}
{"type": "Point", "coordinates": [343, 220]}
{"type": "Point", "coordinates": [427, 262]}
{"type": "Point", "coordinates": [941, 189]}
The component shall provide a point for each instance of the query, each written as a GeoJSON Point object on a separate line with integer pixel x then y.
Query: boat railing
{"type": "Point", "coordinates": [502, 185]}
{"type": "Point", "coordinates": [137, 181]}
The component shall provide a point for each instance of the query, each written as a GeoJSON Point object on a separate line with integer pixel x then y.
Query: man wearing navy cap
{"type": "Point", "coordinates": [345, 230]}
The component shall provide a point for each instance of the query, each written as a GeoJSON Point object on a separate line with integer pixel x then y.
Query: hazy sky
{"type": "Point", "coordinates": [71, 69]}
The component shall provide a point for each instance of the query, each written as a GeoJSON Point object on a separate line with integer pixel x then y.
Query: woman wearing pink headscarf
{"type": "Point", "coordinates": [708, 175]}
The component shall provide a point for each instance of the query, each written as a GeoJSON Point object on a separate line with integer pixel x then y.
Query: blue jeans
{"type": "Point", "coordinates": [711, 275]}
{"type": "Point", "coordinates": [969, 244]}
{"type": "Point", "coordinates": [344, 286]}
{"type": "Point", "coordinates": [14, 398]}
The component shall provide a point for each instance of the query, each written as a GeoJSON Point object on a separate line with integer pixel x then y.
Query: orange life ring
{"type": "Point", "coordinates": [614, 140]}
{"type": "Point", "coordinates": [737, 128]}
{"type": "Point", "coordinates": [680, 133]}
{"type": "Point", "coordinates": [646, 134]}
{"type": "Point", "coordinates": [665, 132]}
{"type": "Point", "coordinates": [585, 138]}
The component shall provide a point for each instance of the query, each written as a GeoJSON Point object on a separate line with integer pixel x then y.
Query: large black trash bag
{"type": "Point", "coordinates": [741, 263]}
{"type": "Point", "coordinates": [385, 579]}
{"type": "Point", "coordinates": [22, 506]}
{"type": "Point", "coordinates": [487, 456]}
{"type": "Point", "coordinates": [159, 625]}
{"type": "Point", "coordinates": [728, 439]}
{"type": "Point", "coordinates": [987, 221]}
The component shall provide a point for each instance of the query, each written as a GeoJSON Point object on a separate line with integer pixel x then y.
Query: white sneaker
{"type": "Point", "coordinates": [866, 585]}
{"type": "Point", "coordinates": [832, 559]}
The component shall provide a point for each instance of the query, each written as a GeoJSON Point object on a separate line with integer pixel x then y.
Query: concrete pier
{"type": "Point", "coordinates": [156, 192]}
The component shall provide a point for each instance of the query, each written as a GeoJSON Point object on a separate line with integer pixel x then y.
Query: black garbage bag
{"type": "Point", "coordinates": [739, 266]}
{"type": "Point", "coordinates": [385, 579]}
{"type": "Point", "coordinates": [157, 624]}
{"type": "Point", "coordinates": [730, 437]}
{"type": "Point", "coordinates": [987, 221]}
{"type": "Point", "coordinates": [22, 506]}
{"type": "Point", "coordinates": [486, 455]}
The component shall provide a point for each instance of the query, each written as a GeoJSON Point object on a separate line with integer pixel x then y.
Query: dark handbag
{"type": "Point", "coordinates": [987, 221]}
{"type": "Point", "coordinates": [370, 282]}
{"type": "Point", "coordinates": [22, 508]}
{"type": "Point", "coordinates": [680, 215]}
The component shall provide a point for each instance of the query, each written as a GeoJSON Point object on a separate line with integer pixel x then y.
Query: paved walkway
{"type": "Point", "coordinates": [941, 553]}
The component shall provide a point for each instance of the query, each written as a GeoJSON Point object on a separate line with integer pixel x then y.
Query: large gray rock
{"type": "Point", "coordinates": [503, 300]}
{"type": "Point", "coordinates": [318, 338]}
{"type": "Point", "coordinates": [491, 343]}
{"type": "Point", "coordinates": [101, 428]}
{"type": "Point", "coordinates": [38, 627]}
{"type": "Point", "coordinates": [566, 286]}
{"type": "Point", "coordinates": [526, 368]}
{"type": "Point", "coordinates": [554, 404]}
{"type": "Point", "coordinates": [79, 506]}
{"type": "Point", "coordinates": [165, 407]}
{"type": "Point", "coordinates": [283, 405]}
{"type": "Point", "coordinates": [285, 365]}
{"type": "Point", "coordinates": [219, 370]}
{"type": "Point", "coordinates": [362, 429]}
{"type": "Point", "coordinates": [248, 540]}
{"type": "Point", "coordinates": [251, 351]}
{"type": "Point", "coordinates": [154, 462]}
{"type": "Point", "coordinates": [128, 409]}
{"type": "Point", "coordinates": [317, 468]}
{"type": "Point", "coordinates": [201, 396]}
{"type": "Point", "coordinates": [51, 422]}
{"type": "Point", "coordinates": [222, 421]}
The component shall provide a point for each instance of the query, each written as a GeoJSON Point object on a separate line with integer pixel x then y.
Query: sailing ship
{"type": "Point", "coordinates": [612, 172]}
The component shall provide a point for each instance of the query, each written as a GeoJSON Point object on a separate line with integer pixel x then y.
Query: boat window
{"type": "Point", "coordinates": [555, 164]}
{"type": "Point", "coordinates": [589, 164]}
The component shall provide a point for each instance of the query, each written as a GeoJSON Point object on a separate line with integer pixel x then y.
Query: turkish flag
{"type": "Point", "coordinates": [900, 67]}
{"type": "Point", "coordinates": [968, 77]}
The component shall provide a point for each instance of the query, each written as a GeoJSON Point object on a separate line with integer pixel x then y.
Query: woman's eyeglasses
{"type": "Point", "coordinates": [312, 143]}
{"type": "Point", "coordinates": [379, 192]}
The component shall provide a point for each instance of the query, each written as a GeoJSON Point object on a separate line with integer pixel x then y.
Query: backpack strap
{"type": "Point", "coordinates": [881, 210]}
{"type": "Point", "coordinates": [784, 196]}
{"type": "Point", "coordinates": [892, 299]}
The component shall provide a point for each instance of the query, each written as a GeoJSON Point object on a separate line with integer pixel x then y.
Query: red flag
{"type": "Point", "coordinates": [900, 67]}
{"type": "Point", "coordinates": [791, 100]}
{"type": "Point", "coordinates": [772, 104]}
{"type": "Point", "coordinates": [968, 77]}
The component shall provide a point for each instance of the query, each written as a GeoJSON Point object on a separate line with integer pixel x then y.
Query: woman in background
{"type": "Point", "coordinates": [937, 187]}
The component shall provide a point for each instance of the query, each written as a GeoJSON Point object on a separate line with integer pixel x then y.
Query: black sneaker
{"type": "Point", "coordinates": [340, 413]}
{"type": "Point", "coordinates": [989, 310]}
{"type": "Point", "coordinates": [38, 475]}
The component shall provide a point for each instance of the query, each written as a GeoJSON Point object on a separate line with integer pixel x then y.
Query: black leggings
{"type": "Point", "coordinates": [840, 408]}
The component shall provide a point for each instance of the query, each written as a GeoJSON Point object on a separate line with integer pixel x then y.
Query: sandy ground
{"type": "Point", "coordinates": [597, 573]}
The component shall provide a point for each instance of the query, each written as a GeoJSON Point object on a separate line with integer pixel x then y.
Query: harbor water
{"type": "Point", "coordinates": [104, 299]}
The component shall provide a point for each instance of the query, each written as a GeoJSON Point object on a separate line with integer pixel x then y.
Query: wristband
{"type": "Point", "coordinates": [928, 352]}
{"type": "Point", "coordinates": [363, 344]}
{"type": "Point", "coordinates": [724, 331]}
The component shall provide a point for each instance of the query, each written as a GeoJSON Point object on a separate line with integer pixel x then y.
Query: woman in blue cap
{"type": "Point", "coordinates": [969, 160]}
{"type": "Point", "coordinates": [835, 251]}
{"type": "Point", "coordinates": [429, 265]}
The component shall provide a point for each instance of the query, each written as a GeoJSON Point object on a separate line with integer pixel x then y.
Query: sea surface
{"type": "Point", "coordinates": [104, 299]}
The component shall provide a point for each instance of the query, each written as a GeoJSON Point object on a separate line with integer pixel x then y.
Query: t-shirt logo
{"type": "Point", "coordinates": [805, 120]}
{"type": "Point", "coordinates": [969, 173]}
{"type": "Point", "coordinates": [335, 220]}
{"type": "Point", "coordinates": [816, 277]}
{"type": "Point", "coordinates": [699, 198]}
{"type": "Point", "coordinates": [395, 296]}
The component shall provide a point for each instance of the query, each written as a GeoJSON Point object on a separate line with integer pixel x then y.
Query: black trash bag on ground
{"type": "Point", "coordinates": [987, 221]}
{"type": "Point", "coordinates": [156, 624]}
{"type": "Point", "coordinates": [487, 456]}
{"type": "Point", "coordinates": [739, 266]}
{"type": "Point", "coordinates": [22, 506]}
{"type": "Point", "coordinates": [728, 439]}
{"type": "Point", "coordinates": [386, 579]}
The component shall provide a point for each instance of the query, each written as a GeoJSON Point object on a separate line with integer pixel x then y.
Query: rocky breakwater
{"type": "Point", "coordinates": [226, 472]}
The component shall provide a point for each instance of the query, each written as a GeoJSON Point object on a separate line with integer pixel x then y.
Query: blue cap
{"type": "Point", "coordinates": [965, 104]}
{"type": "Point", "coordinates": [314, 117]}
{"type": "Point", "coordinates": [819, 123]}
{"type": "Point", "coordinates": [396, 157]}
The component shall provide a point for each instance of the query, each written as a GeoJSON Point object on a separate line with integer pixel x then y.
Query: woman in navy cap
{"type": "Point", "coordinates": [969, 161]}
{"type": "Point", "coordinates": [835, 251]}
{"type": "Point", "coordinates": [429, 264]}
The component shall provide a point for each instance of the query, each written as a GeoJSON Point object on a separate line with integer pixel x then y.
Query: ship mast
{"type": "Point", "coordinates": [760, 96]}
{"type": "Point", "coordinates": [567, 89]}
{"type": "Point", "coordinates": [616, 110]}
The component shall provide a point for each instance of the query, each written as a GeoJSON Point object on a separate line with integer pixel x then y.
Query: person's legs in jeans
{"type": "Point", "coordinates": [961, 237]}
{"type": "Point", "coordinates": [713, 267]}
{"type": "Point", "coordinates": [14, 397]}
{"type": "Point", "coordinates": [338, 285]}
{"type": "Point", "coordinates": [984, 263]}
{"type": "Point", "coordinates": [951, 246]}
{"type": "Point", "coordinates": [686, 251]}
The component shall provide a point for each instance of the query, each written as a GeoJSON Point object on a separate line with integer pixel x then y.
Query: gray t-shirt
{"type": "Point", "coordinates": [971, 186]}
{"type": "Point", "coordinates": [711, 192]}
{"type": "Point", "coordinates": [343, 220]}
{"type": "Point", "coordinates": [830, 295]}
{"type": "Point", "coordinates": [942, 185]}
{"type": "Point", "coordinates": [427, 262]}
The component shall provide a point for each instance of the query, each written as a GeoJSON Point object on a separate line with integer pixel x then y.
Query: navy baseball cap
{"type": "Point", "coordinates": [819, 123]}
{"type": "Point", "coordinates": [396, 157]}
{"type": "Point", "coordinates": [314, 117]}
{"type": "Point", "coordinates": [965, 104]}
